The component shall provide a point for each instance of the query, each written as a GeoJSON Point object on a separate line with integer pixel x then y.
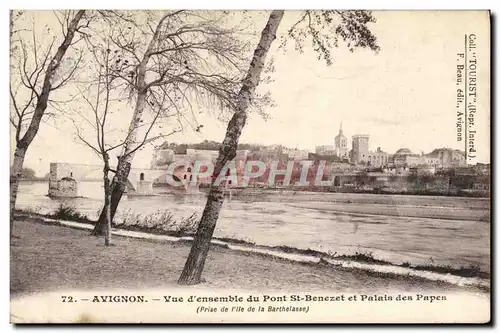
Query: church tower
{"type": "Point", "coordinates": [341, 144]}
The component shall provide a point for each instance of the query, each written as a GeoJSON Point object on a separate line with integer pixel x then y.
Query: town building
{"type": "Point", "coordinates": [162, 158]}
{"type": "Point", "coordinates": [378, 158]}
{"type": "Point", "coordinates": [447, 157]}
{"type": "Point", "coordinates": [360, 150]}
{"type": "Point", "coordinates": [405, 157]}
{"type": "Point", "coordinates": [341, 149]}
{"type": "Point", "coordinates": [325, 150]}
{"type": "Point", "coordinates": [298, 154]}
{"type": "Point", "coordinates": [424, 169]}
{"type": "Point", "coordinates": [438, 158]}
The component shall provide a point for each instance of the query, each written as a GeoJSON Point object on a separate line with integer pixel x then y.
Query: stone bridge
{"type": "Point", "coordinates": [64, 178]}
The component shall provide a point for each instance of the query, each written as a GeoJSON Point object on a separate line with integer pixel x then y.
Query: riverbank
{"type": "Point", "coordinates": [164, 227]}
{"type": "Point", "coordinates": [416, 231]}
{"type": "Point", "coordinates": [49, 256]}
{"type": "Point", "coordinates": [424, 192]}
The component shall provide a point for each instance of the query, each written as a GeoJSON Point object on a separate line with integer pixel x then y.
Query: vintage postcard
{"type": "Point", "coordinates": [197, 166]}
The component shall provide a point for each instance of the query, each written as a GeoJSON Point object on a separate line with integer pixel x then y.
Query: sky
{"type": "Point", "coordinates": [402, 96]}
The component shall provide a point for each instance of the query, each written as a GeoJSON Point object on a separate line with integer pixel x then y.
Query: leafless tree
{"type": "Point", "coordinates": [194, 60]}
{"type": "Point", "coordinates": [37, 70]}
{"type": "Point", "coordinates": [101, 93]}
{"type": "Point", "coordinates": [325, 29]}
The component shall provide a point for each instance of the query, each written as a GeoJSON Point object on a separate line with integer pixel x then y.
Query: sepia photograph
{"type": "Point", "coordinates": [250, 166]}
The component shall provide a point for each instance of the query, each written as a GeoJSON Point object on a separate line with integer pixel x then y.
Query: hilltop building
{"type": "Point", "coordinates": [298, 154]}
{"type": "Point", "coordinates": [362, 159]}
{"type": "Point", "coordinates": [447, 157]}
{"type": "Point", "coordinates": [325, 150]}
{"type": "Point", "coordinates": [438, 158]}
{"type": "Point", "coordinates": [378, 158]}
{"type": "Point", "coordinates": [360, 150]}
{"type": "Point", "coordinates": [341, 149]}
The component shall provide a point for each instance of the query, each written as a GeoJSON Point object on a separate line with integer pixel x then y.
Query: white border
{"type": "Point", "coordinates": [494, 5]}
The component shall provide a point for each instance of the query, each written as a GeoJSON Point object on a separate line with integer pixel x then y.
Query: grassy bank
{"type": "Point", "coordinates": [49, 257]}
{"type": "Point", "coordinates": [164, 223]}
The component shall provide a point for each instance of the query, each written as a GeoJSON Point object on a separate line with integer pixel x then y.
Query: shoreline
{"type": "Point", "coordinates": [461, 276]}
{"type": "Point", "coordinates": [464, 193]}
{"type": "Point", "coordinates": [241, 191]}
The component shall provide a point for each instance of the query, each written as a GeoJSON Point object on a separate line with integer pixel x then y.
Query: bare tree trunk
{"type": "Point", "coordinates": [117, 188]}
{"type": "Point", "coordinates": [15, 174]}
{"type": "Point", "coordinates": [107, 233]}
{"type": "Point", "coordinates": [123, 168]}
{"type": "Point", "coordinates": [41, 105]}
{"type": "Point", "coordinates": [193, 268]}
{"type": "Point", "coordinates": [107, 199]}
{"type": "Point", "coordinates": [119, 183]}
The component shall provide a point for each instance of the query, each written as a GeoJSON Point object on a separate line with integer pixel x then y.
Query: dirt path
{"type": "Point", "coordinates": [52, 257]}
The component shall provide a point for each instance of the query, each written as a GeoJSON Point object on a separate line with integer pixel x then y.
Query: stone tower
{"type": "Point", "coordinates": [360, 150]}
{"type": "Point", "coordinates": [341, 144]}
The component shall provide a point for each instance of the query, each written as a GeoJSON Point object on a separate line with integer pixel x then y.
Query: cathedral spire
{"type": "Point", "coordinates": [340, 130]}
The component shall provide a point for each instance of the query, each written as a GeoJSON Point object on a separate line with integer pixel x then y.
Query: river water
{"type": "Point", "coordinates": [331, 222]}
